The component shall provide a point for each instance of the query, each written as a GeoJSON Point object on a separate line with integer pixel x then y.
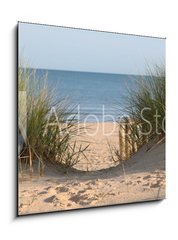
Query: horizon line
{"type": "Point", "coordinates": [66, 70]}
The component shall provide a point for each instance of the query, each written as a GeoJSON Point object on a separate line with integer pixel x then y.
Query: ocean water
{"type": "Point", "coordinates": [93, 96]}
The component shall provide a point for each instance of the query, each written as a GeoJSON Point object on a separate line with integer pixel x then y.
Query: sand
{"type": "Point", "coordinates": [101, 137]}
{"type": "Point", "coordinates": [97, 181]}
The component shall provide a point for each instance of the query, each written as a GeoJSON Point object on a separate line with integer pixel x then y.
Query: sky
{"type": "Point", "coordinates": [50, 47]}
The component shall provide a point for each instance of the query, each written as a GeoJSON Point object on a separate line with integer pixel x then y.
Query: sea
{"type": "Point", "coordinates": [93, 97]}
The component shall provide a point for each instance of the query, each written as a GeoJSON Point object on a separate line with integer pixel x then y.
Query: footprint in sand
{"type": "Point", "coordinates": [82, 203]}
{"type": "Point", "coordinates": [21, 205]}
{"type": "Point", "coordinates": [139, 182]}
{"type": "Point", "coordinates": [43, 192]}
{"type": "Point", "coordinates": [147, 177]}
{"type": "Point", "coordinates": [77, 198]}
{"type": "Point", "coordinates": [155, 185]}
{"type": "Point", "coordinates": [81, 191]}
{"type": "Point", "coordinates": [129, 183]}
{"type": "Point", "coordinates": [83, 200]}
{"type": "Point", "coordinates": [146, 184]}
{"type": "Point", "coordinates": [61, 189]}
{"type": "Point", "coordinates": [112, 194]}
{"type": "Point", "coordinates": [92, 182]}
{"type": "Point", "coordinates": [122, 181]}
{"type": "Point", "coordinates": [50, 199]}
{"type": "Point", "coordinates": [47, 188]}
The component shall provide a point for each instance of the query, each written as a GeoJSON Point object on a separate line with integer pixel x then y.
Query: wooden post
{"type": "Point", "coordinates": [122, 141]}
{"type": "Point", "coordinates": [30, 162]}
{"type": "Point", "coordinates": [128, 140]}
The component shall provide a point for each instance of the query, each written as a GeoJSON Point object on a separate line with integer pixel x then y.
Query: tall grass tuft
{"type": "Point", "coordinates": [146, 107]}
{"type": "Point", "coordinates": [143, 120]}
{"type": "Point", "coordinates": [48, 137]}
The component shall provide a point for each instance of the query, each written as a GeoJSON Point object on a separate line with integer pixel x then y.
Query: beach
{"type": "Point", "coordinates": [101, 137]}
{"type": "Point", "coordinates": [97, 180]}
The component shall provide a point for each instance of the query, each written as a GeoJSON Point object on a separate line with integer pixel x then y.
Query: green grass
{"type": "Point", "coordinates": [45, 143]}
{"type": "Point", "coordinates": [143, 120]}
{"type": "Point", "coordinates": [144, 103]}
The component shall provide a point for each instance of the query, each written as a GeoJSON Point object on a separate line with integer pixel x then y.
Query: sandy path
{"type": "Point", "coordinates": [144, 180]}
{"type": "Point", "coordinates": [51, 195]}
{"type": "Point", "coordinates": [98, 153]}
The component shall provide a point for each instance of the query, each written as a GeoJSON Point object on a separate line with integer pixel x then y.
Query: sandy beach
{"type": "Point", "coordinates": [99, 136]}
{"type": "Point", "coordinates": [97, 180]}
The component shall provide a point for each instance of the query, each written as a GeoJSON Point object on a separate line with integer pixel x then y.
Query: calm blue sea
{"type": "Point", "coordinates": [93, 95]}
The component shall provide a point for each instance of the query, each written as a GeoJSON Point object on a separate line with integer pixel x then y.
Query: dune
{"type": "Point", "coordinates": [142, 178]}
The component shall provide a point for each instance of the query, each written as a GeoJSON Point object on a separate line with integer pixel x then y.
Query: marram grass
{"type": "Point", "coordinates": [143, 119]}
{"type": "Point", "coordinates": [146, 107]}
{"type": "Point", "coordinates": [48, 137]}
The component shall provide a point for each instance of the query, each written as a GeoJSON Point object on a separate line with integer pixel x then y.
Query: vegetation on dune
{"type": "Point", "coordinates": [144, 114]}
{"type": "Point", "coordinates": [48, 137]}
{"type": "Point", "coordinates": [146, 106]}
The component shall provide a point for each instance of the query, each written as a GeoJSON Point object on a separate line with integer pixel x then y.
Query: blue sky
{"type": "Point", "coordinates": [80, 50]}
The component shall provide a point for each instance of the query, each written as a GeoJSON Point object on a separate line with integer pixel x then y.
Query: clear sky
{"type": "Point", "coordinates": [61, 48]}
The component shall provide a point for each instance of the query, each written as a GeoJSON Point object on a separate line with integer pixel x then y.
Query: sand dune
{"type": "Point", "coordinates": [104, 183]}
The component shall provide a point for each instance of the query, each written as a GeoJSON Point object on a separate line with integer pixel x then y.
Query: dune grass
{"type": "Point", "coordinates": [143, 120]}
{"type": "Point", "coordinates": [145, 107]}
{"type": "Point", "coordinates": [48, 138]}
